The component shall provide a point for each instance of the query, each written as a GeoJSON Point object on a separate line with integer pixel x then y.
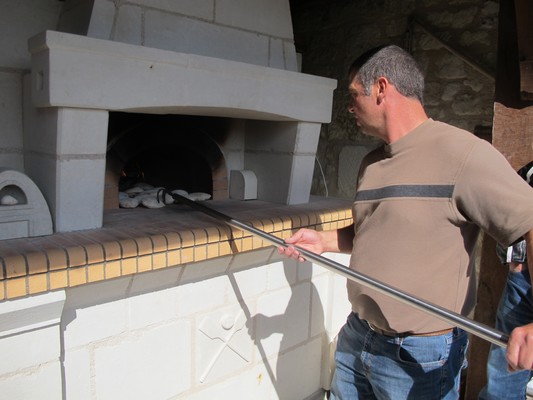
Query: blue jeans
{"type": "Point", "coordinates": [515, 309]}
{"type": "Point", "coordinates": [373, 366]}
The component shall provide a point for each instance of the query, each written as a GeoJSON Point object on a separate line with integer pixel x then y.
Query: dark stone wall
{"type": "Point", "coordinates": [454, 41]}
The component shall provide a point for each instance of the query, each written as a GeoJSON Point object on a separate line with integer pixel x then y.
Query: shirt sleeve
{"type": "Point", "coordinates": [492, 195]}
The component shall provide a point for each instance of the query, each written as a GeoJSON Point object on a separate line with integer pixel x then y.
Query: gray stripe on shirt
{"type": "Point", "coordinates": [427, 191]}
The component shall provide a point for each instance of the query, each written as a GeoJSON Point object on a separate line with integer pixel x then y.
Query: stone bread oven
{"type": "Point", "coordinates": [177, 59]}
{"type": "Point", "coordinates": [170, 303]}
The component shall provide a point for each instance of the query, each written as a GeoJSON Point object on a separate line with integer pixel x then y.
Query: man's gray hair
{"type": "Point", "coordinates": [394, 63]}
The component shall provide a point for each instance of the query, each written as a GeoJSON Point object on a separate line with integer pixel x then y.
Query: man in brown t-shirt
{"type": "Point", "coordinates": [421, 200]}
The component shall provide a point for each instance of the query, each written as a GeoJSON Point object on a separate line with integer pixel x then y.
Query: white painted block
{"type": "Point", "coordinates": [153, 308]}
{"type": "Point", "coordinates": [128, 25]}
{"type": "Point", "coordinates": [250, 282]}
{"type": "Point", "coordinates": [298, 372]}
{"type": "Point", "coordinates": [320, 293]}
{"type": "Point", "coordinates": [305, 271]}
{"type": "Point", "coordinates": [82, 132]}
{"type": "Point", "coordinates": [11, 112]}
{"type": "Point", "coordinates": [291, 58]}
{"type": "Point", "coordinates": [301, 178]}
{"type": "Point", "coordinates": [30, 349]}
{"type": "Point", "coordinates": [71, 172]}
{"type": "Point", "coordinates": [317, 271]}
{"type": "Point", "coordinates": [277, 137]}
{"type": "Point", "coordinates": [93, 323]}
{"type": "Point", "coordinates": [282, 274]}
{"type": "Point", "coordinates": [40, 126]}
{"type": "Point", "coordinates": [202, 295]}
{"type": "Point", "coordinates": [204, 38]}
{"type": "Point", "coordinates": [250, 383]}
{"type": "Point", "coordinates": [201, 9]}
{"type": "Point", "coordinates": [275, 16]}
{"type": "Point", "coordinates": [102, 18]}
{"type": "Point", "coordinates": [243, 185]}
{"type": "Point", "coordinates": [78, 375]}
{"type": "Point", "coordinates": [79, 199]}
{"type": "Point", "coordinates": [339, 307]}
{"type": "Point", "coordinates": [147, 364]}
{"type": "Point", "coordinates": [31, 313]}
{"type": "Point", "coordinates": [284, 320]}
{"type": "Point", "coordinates": [276, 54]}
{"type": "Point", "coordinates": [272, 176]}
{"type": "Point", "coordinates": [307, 137]}
{"type": "Point", "coordinates": [12, 158]}
{"type": "Point", "coordinates": [43, 384]}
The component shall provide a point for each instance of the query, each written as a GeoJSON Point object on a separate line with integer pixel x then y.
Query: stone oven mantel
{"type": "Point", "coordinates": [82, 72]}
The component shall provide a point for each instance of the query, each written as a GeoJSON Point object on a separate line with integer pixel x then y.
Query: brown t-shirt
{"type": "Point", "coordinates": [419, 205]}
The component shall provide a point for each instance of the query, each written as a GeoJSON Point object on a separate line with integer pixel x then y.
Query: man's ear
{"type": "Point", "coordinates": [381, 88]}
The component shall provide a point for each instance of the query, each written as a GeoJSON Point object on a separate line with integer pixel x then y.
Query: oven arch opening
{"type": "Point", "coordinates": [171, 151]}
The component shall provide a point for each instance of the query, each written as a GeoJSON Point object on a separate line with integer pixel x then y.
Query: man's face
{"type": "Point", "coordinates": [363, 107]}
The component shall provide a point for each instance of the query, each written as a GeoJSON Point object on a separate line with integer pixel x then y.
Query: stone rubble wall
{"type": "Point", "coordinates": [331, 37]}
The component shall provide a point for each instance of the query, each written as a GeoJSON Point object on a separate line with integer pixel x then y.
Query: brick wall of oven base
{"type": "Point", "coordinates": [152, 307]}
{"type": "Point", "coordinates": [248, 326]}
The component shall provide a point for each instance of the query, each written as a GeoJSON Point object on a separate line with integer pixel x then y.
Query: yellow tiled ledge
{"type": "Point", "coordinates": [149, 240]}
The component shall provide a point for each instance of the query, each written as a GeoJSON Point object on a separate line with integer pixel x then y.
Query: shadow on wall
{"type": "Point", "coordinates": [286, 330]}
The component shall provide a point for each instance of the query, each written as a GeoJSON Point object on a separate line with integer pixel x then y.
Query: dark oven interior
{"type": "Point", "coordinates": [171, 151]}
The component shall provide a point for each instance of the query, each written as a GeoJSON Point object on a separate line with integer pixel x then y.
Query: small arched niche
{"type": "Point", "coordinates": [23, 209]}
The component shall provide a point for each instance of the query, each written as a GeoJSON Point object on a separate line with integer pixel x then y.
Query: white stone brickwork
{"type": "Point", "coordinates": [225, 328]}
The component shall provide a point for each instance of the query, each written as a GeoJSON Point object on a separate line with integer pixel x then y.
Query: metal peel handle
{"type": "Point", "coordinates": [476, 328]}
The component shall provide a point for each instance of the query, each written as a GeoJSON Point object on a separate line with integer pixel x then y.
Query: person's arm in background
{"type": "Point", "coordinates": [520, 346]}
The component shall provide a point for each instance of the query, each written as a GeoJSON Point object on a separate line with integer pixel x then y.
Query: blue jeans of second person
{"type": "Point", "coordinates": [369, 365]}
{"type": "Point", "coordinates": [515, 309]}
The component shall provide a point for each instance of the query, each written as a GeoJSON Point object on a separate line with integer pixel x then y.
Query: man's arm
{"type": "Point", "coordinates": [520, 347]}
{"type": "Point", "coordinates": [336, 240]}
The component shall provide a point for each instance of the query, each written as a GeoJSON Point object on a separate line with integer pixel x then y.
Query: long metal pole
{"type": "Point", "coordinates": [483, 331]}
